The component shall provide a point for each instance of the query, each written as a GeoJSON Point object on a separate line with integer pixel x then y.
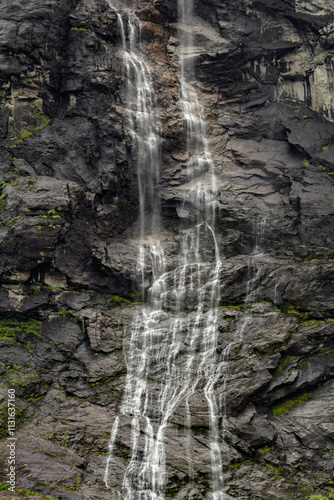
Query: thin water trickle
{"type": "Point", "coordinates": [254, 264]}
{"type": "Point", "coordinates": [111, 444]}
{"type": "Point", "coordinates": [254, 272]}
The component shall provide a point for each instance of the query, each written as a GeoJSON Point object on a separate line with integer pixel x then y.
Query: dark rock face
{"type": "Point", "coordinates": [69, 212]}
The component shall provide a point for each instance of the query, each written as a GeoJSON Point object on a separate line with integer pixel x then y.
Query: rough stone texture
{"type": "Point", "coordinates": [69, 209]}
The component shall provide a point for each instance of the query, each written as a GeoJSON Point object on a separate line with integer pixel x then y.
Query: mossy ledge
{"type": "Point", "coordinates": [286, 405]}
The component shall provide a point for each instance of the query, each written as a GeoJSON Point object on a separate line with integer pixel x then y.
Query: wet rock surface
{"type": "Point", "coordinates": [69, 241]}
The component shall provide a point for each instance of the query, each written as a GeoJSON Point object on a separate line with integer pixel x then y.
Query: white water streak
{"type": "Point", "coordinates": [113, 436]}
{"type": "Point", "coordinates": [253, 278]}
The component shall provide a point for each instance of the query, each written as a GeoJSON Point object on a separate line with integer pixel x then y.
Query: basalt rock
{"type": "Point", "coordinates": [69, 241]}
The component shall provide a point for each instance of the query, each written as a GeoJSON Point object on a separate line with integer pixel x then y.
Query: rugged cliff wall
{"type": "Point", "coordinates": [69, 227]}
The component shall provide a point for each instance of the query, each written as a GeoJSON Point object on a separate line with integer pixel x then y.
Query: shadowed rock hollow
{"type": "Point", "coordinates": [69, 210]}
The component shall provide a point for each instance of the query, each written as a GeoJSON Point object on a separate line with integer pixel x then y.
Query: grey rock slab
{"type": "Point", "coordinates": [311, 422]}
{"type": "Point", "coordinates": [63, 332]}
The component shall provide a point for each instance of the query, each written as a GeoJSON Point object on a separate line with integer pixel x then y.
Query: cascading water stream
{"type": "Point", "coordinates": [204, 199]}
{"type": "Point", "coordinates": [177, 352]}
{"type": "Point", "coordinates": [142, 119]}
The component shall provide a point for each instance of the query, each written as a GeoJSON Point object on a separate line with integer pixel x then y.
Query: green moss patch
{"type": "Point", "coordinates": [122, 301]}
{"type": "Point", "coordinates": [19, 418]}
{"type": "Point", "coordinates": [290, 403]}
{"type": "Point", "coordinates": [317, 322]}
{"type": "Point", "coordinates": [265, 449]}
{"type": "Point", "coordinates": [284, 362]}
{"type": "Point", "coordinates": [10, 327]}
{"type": "Point", "coordinates": [39, 122]}
{"type": "Point", "coordinates": [26, 493]}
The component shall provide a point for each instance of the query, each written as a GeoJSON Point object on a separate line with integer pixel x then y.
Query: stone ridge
{"type": "Point", "coordinates": [69, 210]}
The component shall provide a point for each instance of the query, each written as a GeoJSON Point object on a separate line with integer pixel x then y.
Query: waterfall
{"type": "Point", "coordinates": [170, 356]}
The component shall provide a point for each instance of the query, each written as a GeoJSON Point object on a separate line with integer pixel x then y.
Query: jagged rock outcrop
{"type": "Point", "coordinates": [69, 239]}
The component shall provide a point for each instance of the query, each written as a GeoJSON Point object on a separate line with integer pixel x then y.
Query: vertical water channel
{"type": "Point", "coordinates": [170, 356]}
